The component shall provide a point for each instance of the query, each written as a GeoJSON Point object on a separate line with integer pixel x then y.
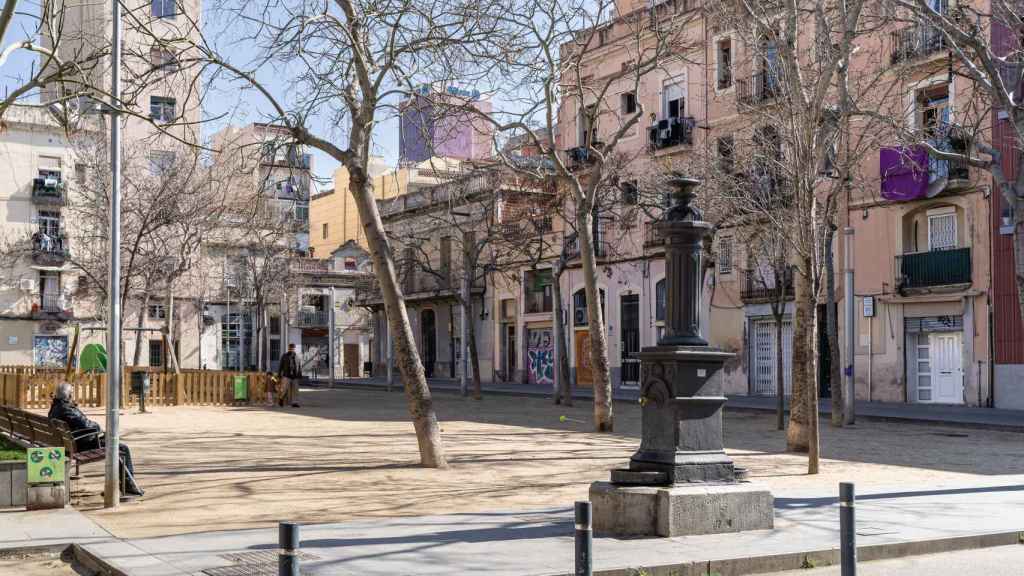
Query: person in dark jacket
{"type": "Point", "coordinates": [89, 436]}
{"type": "Point", "coordinates": [290, 372]}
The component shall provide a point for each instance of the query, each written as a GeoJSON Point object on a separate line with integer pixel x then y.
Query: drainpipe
{"type": "Point", "coordinates": [849, 320]}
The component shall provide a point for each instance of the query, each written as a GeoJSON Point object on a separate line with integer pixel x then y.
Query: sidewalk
{"type": "Point", "coordinates": [967, 416]}
{"type": "Point", "coordinates": [890, 523]}
{"type": "Point", "coordinates": [20, 529]}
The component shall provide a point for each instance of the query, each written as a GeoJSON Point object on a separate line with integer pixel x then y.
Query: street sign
{"type": "Point", "coordinates": [869, 306]}
{"type": "Point", "coordinates": [45, 465]}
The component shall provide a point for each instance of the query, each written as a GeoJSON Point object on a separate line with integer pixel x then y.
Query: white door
{"type": "Point", "coordinates": [763, 362]}
{"type": "Point", "coordinates": [947, 371]}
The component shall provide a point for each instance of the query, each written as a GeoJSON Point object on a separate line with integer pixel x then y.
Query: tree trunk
{"type": "Point", "coordinates": [813, 438]}
{"type": "Point", "coordinates": [474, 356]}
{"type": "Point", "coordinates": [780, 368]}
{"type": "Point", "coordinates": [803, 311]}
{"type": "Point", "coordinates": [139, 324]}
{"type": "Point", "coordinates": [603, 417]}
{"type": "Point", "coordinates": [562, 392]}
{"type": "Point", "coordinates": [420, 402]}
{"type": "Point", "coordinates": [169, 328]}
{"type": "Point", "coordinates": [832, 328]}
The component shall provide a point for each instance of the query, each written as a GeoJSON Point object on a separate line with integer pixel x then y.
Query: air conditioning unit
{"type": "Point", "coordinates": [579, 317]}
{"type": "Point", "coordinates": [27, 285]}
{"type": "Point", "coordinates": [51, 182]}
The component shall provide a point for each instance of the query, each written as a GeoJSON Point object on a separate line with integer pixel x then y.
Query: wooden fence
{"type": "Point", "coordinates": [26, 387]}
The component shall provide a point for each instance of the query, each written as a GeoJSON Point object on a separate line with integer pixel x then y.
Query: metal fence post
{"type": "Point", "coordinates": [847, 530]}
{"type": "Point", "coordinates": [584, 540]}
{"type": "Point", "coordinates": [288, 555]}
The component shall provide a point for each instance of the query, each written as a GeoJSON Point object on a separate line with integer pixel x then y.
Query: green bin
{"type": "Point", "coordinates": [241, 388]}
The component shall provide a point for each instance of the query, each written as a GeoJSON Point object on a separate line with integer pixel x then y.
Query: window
{"type": "Point", "coordinates": [162, 108]}
{"type": "Point", "coordinates": [726, 159]}
{"type": "Point", "coordinates": [933, 110]}
{"type": "Point", "coordinates": [672, 100]}
{"type": "Point", "coordinates": [164, 9]}
{"type": "Point", "coordinates": [579, 308]}
{"type": "Point", "coordinates": [628, 103]}
{"type": "Point", "coordinates": [725, 255]}
{"type": "Point", "coordinates": [446, 259]}
{"type": "Point", "coordinates": [537, 291]}
{"type": "Point", "coordinates": [588, 125]}
{"type": "Point", "coordinates": [660, 301]}
{"type": "Point", "coordinates": [350, 263]}
{"type": "Point", "coordinates": [942, 229]}
{"type": "Point", "coordinates": [630, 192]}
{"type": "Point", "coordinates": [163, 59]}
{"type": "Point", "coordinates": [603, 35]}
{"type": "Point", "coordinates": [275, 325]}
{"type": "Point", "coordinates": [49, 223]}
{"type": "Point", "coordinates": [724, 49]}
{"type": "Point", "coordinates": [301, 212]}
{"type": "Point", "coordinates": [157, 312]}
{"type": "Point", "coordinates": [160, 162]}
{"type": "Point", "coordinates": [275, 348]}
{"type": "Point", "coordinates": [50, 296]}
{"type": "Point", "coordinates": [156, 353]}
{"type": "Point", "coordinates": [323, 233]}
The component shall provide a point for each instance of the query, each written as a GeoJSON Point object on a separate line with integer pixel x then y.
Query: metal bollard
{"type": "Point", "coordinates": [847, 530]}
{"type": "Point", "coordinates": [288, 555]}
{"type": "Point", "coordinates": [584, 540]}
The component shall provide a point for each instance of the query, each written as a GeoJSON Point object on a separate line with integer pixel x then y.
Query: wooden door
{"type": "Point", "coordinates": [351, 355]}
{"type": "Point", "coordinates": [584, 375]}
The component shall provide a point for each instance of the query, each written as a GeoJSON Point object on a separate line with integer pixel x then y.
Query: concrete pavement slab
{"type": "Point", "coordinates": [540, 543]}
{"type": "Point", "coordinates": [38, 529]}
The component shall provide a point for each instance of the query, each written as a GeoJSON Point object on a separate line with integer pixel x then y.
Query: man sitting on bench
{"type": "Point", "coordinates": [89, 436]}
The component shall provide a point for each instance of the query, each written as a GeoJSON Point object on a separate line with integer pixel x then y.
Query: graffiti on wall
{"type": "Point", "coordinates": [50, 351]}
{"type": "Point", "coordinates": [540, 352]}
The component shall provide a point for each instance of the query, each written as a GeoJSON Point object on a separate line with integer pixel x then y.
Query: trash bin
{"type": "Point", "coordinates": [241, 388]}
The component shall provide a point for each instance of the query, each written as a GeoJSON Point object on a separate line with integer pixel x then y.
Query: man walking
{"type": "Point", "coordinates": [290, 373]}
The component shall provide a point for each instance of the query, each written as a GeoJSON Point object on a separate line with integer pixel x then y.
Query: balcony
{"type": "Point", "coordinates": [653, 238]}
{"type": "Point", "coordinates": [312, 318]}
{"type": "Point", "coordinates": [671, 132]}
{"type": "Point", "coordinates": [48, 250]}
{"type": "Point", "coordinates": [758, 291]}
{"type": "Point", "coordinates": [932, 269]}
{"type": "Point", "coordinates": [916, 42]}
{"type": "Point", "coordinates": [524, 230]}
{"type": "Point", "coordinates": [760, 88]}
{"type": "Point", "coordinates": [538, 302]}
{"type": "Point", "coordinates": [48, 192]}
{"type": "Point", "coordinates": [310, 266]}
{"type": "Point", "coordinates": [572, 247]}
{"type": "Point", "coordinates": [51, 307]}
{"type": "Point", "coordinates": [581, 156]}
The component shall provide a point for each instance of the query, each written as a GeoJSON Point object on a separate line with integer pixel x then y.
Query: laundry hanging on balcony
{"type": "Point", "coordinates": [904, 172]}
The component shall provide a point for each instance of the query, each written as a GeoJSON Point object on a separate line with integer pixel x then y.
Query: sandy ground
{"type": "Point", "coordinates": [38, 564]}
{"type": "Point", "coordinates": [351, 453]}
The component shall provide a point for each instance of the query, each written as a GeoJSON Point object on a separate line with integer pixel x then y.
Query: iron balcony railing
{"type": "Point", "coordinates": [758, 291]}
{"type": "Point", "coordinates": [49, 249]}
{"type": "Point", "coordinates": [653, 238]}
{"type": "Point", "coordinates": [916, 42]}
{"type": "Point", "coordinates": [538, 301]}
{"type": "Point", "coordinates": [934, 268]}
{"type": "Point", "coordinates": [572, 247]}
{"type": "Point", "coordinates": [760, 88]}
{"type": "Point", "coordinates": [51, 306]}
{"type": "Point", "coordinates": [48, 191]}
{"type": "Point", "coordinates": [313, 318]}
{"type": "Point", "coordinates": [671, 132]}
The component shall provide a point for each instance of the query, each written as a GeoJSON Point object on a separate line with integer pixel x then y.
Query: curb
{"type": "Point", "coordinates": [819, 558]}
{"type": "Point", "coordinates": [731, 408]}
{"type": "Point", "coordinates": [93, 563]}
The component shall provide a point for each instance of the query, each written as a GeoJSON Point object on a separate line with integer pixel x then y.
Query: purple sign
{"type": "Point", "coordinates": [904, 172]}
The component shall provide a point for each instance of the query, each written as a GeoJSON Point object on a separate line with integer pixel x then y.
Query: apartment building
{"type": "Point", "coordinates": [922, 238]}
{"type": "Point", "coordinates": [39, 293]}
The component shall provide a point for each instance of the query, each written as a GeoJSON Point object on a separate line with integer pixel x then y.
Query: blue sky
{"type": "Point", "coordinates": [241, 106]}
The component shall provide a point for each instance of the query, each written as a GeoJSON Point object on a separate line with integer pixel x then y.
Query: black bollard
{"type": "Point", "coordinates": [288, 555]}
{"type": "Point", "coordinates": [584, 540]}
{"type": "Point", "coordinates": [847, 530]}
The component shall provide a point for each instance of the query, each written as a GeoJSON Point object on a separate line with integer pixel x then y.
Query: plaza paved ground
{"type": "Point", "coordinates": [998, 561]}
{"type": "Point", "coordinates": [350, 454]}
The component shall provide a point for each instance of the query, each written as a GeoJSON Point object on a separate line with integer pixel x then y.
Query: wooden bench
{"type": "Point", "coordinates": [29, 430]}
